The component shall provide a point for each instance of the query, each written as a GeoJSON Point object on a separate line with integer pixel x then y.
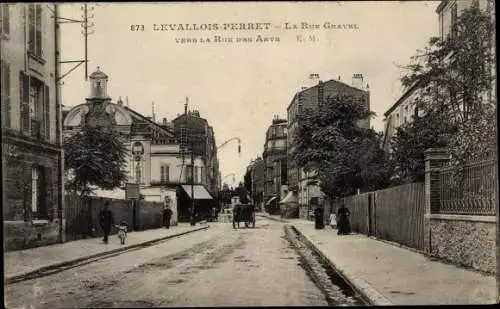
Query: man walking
{"type": "Point", "coordinates": [106, 220]}
{"type": "Point", "coordinates": [167, 215]}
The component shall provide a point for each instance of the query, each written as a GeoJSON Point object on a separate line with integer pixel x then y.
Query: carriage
{"type": "Point", "coordinates": [243, 213]}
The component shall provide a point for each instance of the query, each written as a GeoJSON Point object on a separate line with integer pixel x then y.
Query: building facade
{"type": "Point", "coordinates": [256, 169]}
{"type": "Point", "coordinates": [304, 186]}
{"type": "Point", "coordinates": [194, 132]}
{"type": "Point", "coordinates": [155, 160]}
{"type": "Point", "coordinates": [275, 161]}
{"type": "Point", "coordinates": [32, 156]}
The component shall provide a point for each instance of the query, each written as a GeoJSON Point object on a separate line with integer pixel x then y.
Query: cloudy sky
{"type": "Point", "coordinates": [239, 86]}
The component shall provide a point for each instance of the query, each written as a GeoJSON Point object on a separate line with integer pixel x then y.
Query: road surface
{"type": "Point", "coordinates": [215, 267]}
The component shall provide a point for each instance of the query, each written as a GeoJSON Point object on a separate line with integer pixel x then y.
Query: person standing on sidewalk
{"type": "Point", "coordinates": [167, 215]}
{"type": "Point", "coordinates": [106, 220]}
{"type": "Point", "coordinates": [344, 226]}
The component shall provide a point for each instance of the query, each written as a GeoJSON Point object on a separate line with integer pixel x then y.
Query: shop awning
{"type": "Point", "coordinates": [270, 200]}
{"type": "Point", "coordinates": [200, 193]}
{"type": "Point", "coordinates": [289, 198]}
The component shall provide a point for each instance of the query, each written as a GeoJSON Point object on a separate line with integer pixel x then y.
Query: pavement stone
{"type": "Point", "coordinates": [388, 274]}
{"type": "Point", "coordinates": [17, 263]}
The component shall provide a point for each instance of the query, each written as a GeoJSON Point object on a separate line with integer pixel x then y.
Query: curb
{"type": "Point", "coordinates": [275, 219]}
{"type": "Point", "coordinates": [363, 288]}
{"type": "Point", "coordinates": [32, 273]}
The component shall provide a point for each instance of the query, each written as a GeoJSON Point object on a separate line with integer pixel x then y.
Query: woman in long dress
{"type": "Point", "coordinates": [344, 226]}
{"type": "Point", "coordinates": [333, 221]}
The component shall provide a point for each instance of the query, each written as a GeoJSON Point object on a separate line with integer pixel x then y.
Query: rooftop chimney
{"type": "Point", "coordinates": [165, 122]}
{"type": "Point", "coordinates": [120, 102]}
{"type": "Point", "coordinates": [357, 80]}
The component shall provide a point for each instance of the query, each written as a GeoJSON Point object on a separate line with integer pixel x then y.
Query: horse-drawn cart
{"type": "Point", "coordinates": [243, 213]}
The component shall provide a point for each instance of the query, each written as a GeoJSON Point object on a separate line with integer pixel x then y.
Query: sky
{"type": "Point", "coordinates": [239, 86]}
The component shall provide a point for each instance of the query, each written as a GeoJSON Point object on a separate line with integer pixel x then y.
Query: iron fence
{"type": "Point", "coordinates": [468, 189]}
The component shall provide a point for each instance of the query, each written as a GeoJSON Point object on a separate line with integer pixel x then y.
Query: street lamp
{"type": "Point", "coordinates": [229, 140]}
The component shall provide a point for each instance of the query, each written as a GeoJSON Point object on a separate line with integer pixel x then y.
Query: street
{"type": "Point", "coordinates": [215, 267]}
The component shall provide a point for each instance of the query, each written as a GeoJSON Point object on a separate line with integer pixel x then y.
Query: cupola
{"type": "Point", "coordinates": [98, 85]}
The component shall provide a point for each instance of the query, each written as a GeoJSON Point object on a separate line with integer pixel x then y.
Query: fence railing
{"type": "Point", "coordinates": [468, 189]}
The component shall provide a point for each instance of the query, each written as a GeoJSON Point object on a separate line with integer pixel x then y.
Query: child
{"type": "Point", "coordinates": [333, 221]}
{"type": "Point", "coordinates": [122, 231]}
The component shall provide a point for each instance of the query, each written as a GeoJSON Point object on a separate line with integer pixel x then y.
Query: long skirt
{"type": "Point", "coordinates": [344, 226]}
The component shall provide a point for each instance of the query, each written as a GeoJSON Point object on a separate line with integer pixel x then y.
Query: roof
{"type": "Point", "coordinates": [149, 120]}
{"type": "Point", "coordinates": [98, 74]}
{"type": "Point", "coordinates": [405, 95]}
{"type": "Point", "coordinates": [324, 83]}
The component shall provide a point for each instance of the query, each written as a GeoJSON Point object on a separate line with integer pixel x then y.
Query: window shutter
{"type": "Point", "coordinates": [46, 113]}
{"type": "Point", "coordinates": [167, 173]}
{"type": "Point", "coordinates": [162, 175]}
{"type": "Point", "coordinates": [24, 98]}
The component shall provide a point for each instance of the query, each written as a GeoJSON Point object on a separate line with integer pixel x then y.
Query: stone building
{"type": "Point", "coordinates": [274, 157]}
{"type": "Point", "coordinates": [32, 160]}
{"type": "Point", "coordinates": [256, 170]}
{"type": "Point", "coordinates": [304, 186]}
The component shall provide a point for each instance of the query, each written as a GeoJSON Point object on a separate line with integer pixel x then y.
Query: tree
{"type": "Point", "coordinates": [412, 139]}
{"type": "Point", "coordinates": [95, 157]}
{"type": "Point", "coordinates": [456, 77]}
{"type": "Point", "coordinates": [345, 156]}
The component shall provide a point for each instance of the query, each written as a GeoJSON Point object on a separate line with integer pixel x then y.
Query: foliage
{"type": "Point", "coordinates": [95, 157]}
{"type": "Point", "coordinates": [344, 155]}
{"type": "Point", "coordinates": [454, 77]}
{"type": "Point", "coordinates": [412, 139]}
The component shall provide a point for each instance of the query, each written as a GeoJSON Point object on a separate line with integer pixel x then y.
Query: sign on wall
{"type": "Point", "coordinates": [132, 191]}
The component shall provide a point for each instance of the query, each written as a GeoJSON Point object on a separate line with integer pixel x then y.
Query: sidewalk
{"type": "Point", "coordinates": [392, 275]}
{"type": "Point", "coordinates": [19, 263]}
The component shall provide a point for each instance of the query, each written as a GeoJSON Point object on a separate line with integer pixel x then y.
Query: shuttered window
{"type": "Point", "coordinates": [24, 98]}
{"type": "Point", "coordinates": [165, 173]}
{"type": "Point", "coordinates": [46, 113]}
{"type": "Point", "coordinates": [35, 29]}
{"type": "Point", "coordinates": [5, 19]}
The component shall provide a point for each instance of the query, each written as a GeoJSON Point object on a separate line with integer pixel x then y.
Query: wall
{"type": "Point", "coordinates": [20, 235]}
{"type": "Point", "coordinates": [464, 240]}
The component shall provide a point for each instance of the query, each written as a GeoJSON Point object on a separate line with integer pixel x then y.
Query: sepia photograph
{"type": "Point", "coordinates": [250, 154]}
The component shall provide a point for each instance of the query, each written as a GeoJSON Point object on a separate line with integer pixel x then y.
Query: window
{"type": "Point", "coordinates": [38, 192]}
{"type": "Point", "coordinates": [35, 107]}
{"type": "Point", "coordinates": [5, 20]}
{"type": "Point", "coordinates": [196, 174]}
{"type": "Point", "coordinates": [189, 175]}
{"type": "Point", "coordinates": [35, 30]}
{"type": "Point", "coordinates": [165, 173]}
{"type": "Point", "coordinates": [5, 93]}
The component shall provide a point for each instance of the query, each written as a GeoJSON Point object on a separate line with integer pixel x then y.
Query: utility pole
{"type": "Point", "coordinates": [193, 222]}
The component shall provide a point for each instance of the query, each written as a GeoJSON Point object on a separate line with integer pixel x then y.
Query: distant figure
{"type": "Point", "coordinates": [122, 231]}
{"type": "Point", "coordinates": [344, 226]}
{"type": "Point", "coordinates": [167, 215]}
{"type": "Point", "coordinates": [318, 218]}
{"type": "Point", "coordinates": [333, 221]}
{"type": "Point", "coordinates": [106, 220]}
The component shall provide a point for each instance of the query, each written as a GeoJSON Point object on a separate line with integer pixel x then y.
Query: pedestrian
{"type": "Point", "coordinates": [106, 220]}
{"type": "Point", "coordinates": [318, 218]}
{"type": "Point", "coordinates": [333, 221]}
{"type": "Point", "coordinates": [344, 226]}
{"type": "Point", "coordinates": [167, 215]}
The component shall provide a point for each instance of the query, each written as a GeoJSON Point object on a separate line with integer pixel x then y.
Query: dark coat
{"type": "Point", "coordinates": [106, 219]}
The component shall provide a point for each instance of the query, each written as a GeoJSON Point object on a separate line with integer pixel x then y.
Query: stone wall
{"type": "Point", "coordinates": [23, 235]}
{"type": "Point", "coordinates": [464, 240]}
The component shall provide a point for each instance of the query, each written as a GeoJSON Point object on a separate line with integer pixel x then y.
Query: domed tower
{"type": "Point", "coordinates": [98, 86]}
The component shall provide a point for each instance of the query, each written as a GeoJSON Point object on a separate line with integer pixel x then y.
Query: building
{"type": "Point", "coordinates": [274, 157]}
{"type": "Point", "coordinates": [155, 161]}
{"type": "Point", "coordinates": [32, 158]}
{"type": "Point", "coordinates": [256, 170]}
{"type": "Point", "coordinates": [404, 108]}
{"type": "Point", "coordinates": [194, 132]}
{"type": "Point", "coordinates": [402, 112]}
{"type": "Point", "coordinates": [304, 186]}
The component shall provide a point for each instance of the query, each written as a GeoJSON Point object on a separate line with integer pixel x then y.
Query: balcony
{"type": "Point", "coordinates": [36, 129]}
